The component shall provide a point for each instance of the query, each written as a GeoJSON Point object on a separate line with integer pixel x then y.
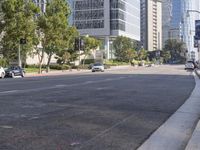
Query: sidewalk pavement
{"type": "Point", "coordinates": [176, 132]}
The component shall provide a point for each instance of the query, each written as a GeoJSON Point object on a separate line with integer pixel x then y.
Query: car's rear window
{"type": "Point", "coordinates": [97, 64]}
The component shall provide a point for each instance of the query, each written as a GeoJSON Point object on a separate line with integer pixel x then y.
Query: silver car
{"type": "Point", "coordinates": [189, 65]}
{"type": "Point", "coordinates": [98, 67]}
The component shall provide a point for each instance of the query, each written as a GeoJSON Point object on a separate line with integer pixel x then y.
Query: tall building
{"type": "Point", "coordinates": [190, 10]}
{"type": "Point", "coordinates": [107, 19]}
{"type": "Point", "coordinates": [171, 20]}
{"type": "Point", "coordinates": [151, 24]}
{"type": "Point", "coordinates": [166, 20]}
{"type": "Point", "coordinates": [41, 4]}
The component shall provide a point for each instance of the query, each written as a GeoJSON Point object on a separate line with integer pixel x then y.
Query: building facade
{"type": "Point", "coordinates": [41, 4]}
{"type": "Point", "coordinates": [171, 20]}
{"type": "Point", "coordinates": [151, 24]}
{"type": "Point", "coordinates": [190, 10]}
{"type": "Point", "coordinates": [107, 19]}
{"type": "Point", "coordinates": [166, 20]}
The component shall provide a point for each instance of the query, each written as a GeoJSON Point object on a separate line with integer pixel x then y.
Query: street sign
{"type": "Point", "coordinates": [197, 29]}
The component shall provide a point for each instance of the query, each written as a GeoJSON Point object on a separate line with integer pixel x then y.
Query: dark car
{"type": "Point", "coordinates": [14, 71]}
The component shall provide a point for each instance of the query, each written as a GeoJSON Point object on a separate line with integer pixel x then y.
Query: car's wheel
{"type": "Point", "coordinates": [12, 75]}
{"type": "Point", "coordinates": [2, 75]}
{"type": "Point", "coordinates": [23, 74]}
{"type": "Point", "coordinates": [102, 70]}
{"type": "Point", "coordinates": [93, 70]}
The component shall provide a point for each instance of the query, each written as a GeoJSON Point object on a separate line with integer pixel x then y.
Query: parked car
{"type": "Point", "coordinates": [190, 65]}
{"type": "Point", "coordinates": [98, 67]}
{"type": "Point", "coordinates": [14, 71]}
{"type": "Point", "coordinates": [2, 72]}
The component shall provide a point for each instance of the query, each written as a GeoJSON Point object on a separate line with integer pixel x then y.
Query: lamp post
{"type": "Point", "coordinates": [198, 40]}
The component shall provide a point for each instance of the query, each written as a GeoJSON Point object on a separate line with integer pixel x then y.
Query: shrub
{"type": "Point", "coordinates": [3, 62]}
{"type": "Point", "coordinates": [88, 61]}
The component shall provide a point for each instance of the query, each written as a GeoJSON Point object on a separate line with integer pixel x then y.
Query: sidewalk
{"type": "Point", "coordinates": [176, 132]}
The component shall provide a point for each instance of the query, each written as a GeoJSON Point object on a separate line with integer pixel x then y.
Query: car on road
{"type": "Point", "coordinates": [14, 71]}
{"type": "Point", "coordinates": [98, 67]}
{"type": "Point", "coordinates": [2, 72]}
{"type": "Point", "coordinates": [191, 65]}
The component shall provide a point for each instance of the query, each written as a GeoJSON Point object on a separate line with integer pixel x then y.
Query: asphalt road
{"type": "Point", "coordinates": [114, 110]}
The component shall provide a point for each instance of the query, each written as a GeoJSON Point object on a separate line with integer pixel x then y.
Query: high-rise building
{"type": "Point", "coordinates": [107, 19]}
{"type": "Point", "coordinates": [41, 4]}
{"type": "Point", "coordinates": [190, 10]}
{"type": "Point", "coordinates": [151, 24]}
{"type": "Point", "coordinates": [171, 20]}
{"type": "Point", "coordinates": [166, 19]}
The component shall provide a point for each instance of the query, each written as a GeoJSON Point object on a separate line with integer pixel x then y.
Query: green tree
{"type": "Point", "coordinates": [131, 54]}
{"type": "Point", "coordinates": [166, 56]}
{"type": "Point", "coordinates": [142, 54]}
{"type": "Point", "coordinates": [68, 54]}
{"type": "Point", "coordinates": [54, 26]}
{"type": "Point", "coordinates": [90, 44]}
{"type": "Point", "coordinates": [17, 22]}
{"type": "Point", "coordinates": [124, 48]}
{"type": "Point", "coordinates": [176, 48]}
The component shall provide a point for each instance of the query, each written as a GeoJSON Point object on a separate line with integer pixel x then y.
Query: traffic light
{"type": "Point", "coordinates": [22, 41]}
{"type": "Point", "coordinates": [79, 44]}
{"type": "Point", "coordinates": [76, 44]}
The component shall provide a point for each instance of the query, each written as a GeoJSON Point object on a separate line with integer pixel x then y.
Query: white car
{"type": "Point", "coordinates": [2, 72]}
{"type": "Point", "coordinates": [98, 67]}
{"type": "Point", "coordinates": [189, 65]}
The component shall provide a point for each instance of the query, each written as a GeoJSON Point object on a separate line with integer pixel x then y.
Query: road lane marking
{"type": "Point", "coordinates": [59, 86]}
{"type": "Point", "coordinates": [8, 92]}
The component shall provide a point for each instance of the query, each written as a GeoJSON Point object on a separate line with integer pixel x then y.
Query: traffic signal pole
{"type": "Point", "coordinates": [19, 56]}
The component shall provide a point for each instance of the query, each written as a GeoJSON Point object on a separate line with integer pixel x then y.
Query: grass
{"type": "Point", "coordinates": [35, 70]}
{"type": "Point", "coordinates": [31, 70]}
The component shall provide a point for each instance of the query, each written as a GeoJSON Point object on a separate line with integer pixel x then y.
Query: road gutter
{"type": "Point", "coordinates": [175, 133]}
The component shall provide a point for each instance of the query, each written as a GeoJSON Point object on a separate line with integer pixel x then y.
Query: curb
{"type": "Point", "coordinates": [194, 143]}
{"type": "Point", "coordinates": [197, 73]}
{"type": "Point", "coordinates": [176, 132]}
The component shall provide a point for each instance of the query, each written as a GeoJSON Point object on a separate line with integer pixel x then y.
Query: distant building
{"type": "Point", "coordinates": [171, 20]}
{"type": "Point", "coordinates": [107, 19]}
{"type": "Point", "coordinates": [188, 8]}
{"type": "Point", "coordinates": [151, 24]}
{"type": "Point", "coordinates": [41, 4]}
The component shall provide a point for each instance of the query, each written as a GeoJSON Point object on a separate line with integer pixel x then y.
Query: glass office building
{"type": "Point", "coordinates": [171, 20]}
{"type": "Point", "coordinates": [107, 19]}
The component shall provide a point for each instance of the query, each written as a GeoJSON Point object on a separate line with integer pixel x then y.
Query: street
{"type": "Point", "coordinates": [115, 110]}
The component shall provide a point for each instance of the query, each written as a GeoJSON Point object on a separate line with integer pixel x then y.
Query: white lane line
{"type": "Point", "coordinates": [8, 92]}
{"type": "Point", "coordinates": [59, 86]}
{"type": "Point", "coordinates": [6, 127]}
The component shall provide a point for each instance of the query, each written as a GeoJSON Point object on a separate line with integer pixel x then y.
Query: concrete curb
{"type": "Point", "coordinates": [175, 133]}
{"type": "Point", "coordinates": [194, 143]}
{"type": "Point", "coordinates": [197, 71]}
